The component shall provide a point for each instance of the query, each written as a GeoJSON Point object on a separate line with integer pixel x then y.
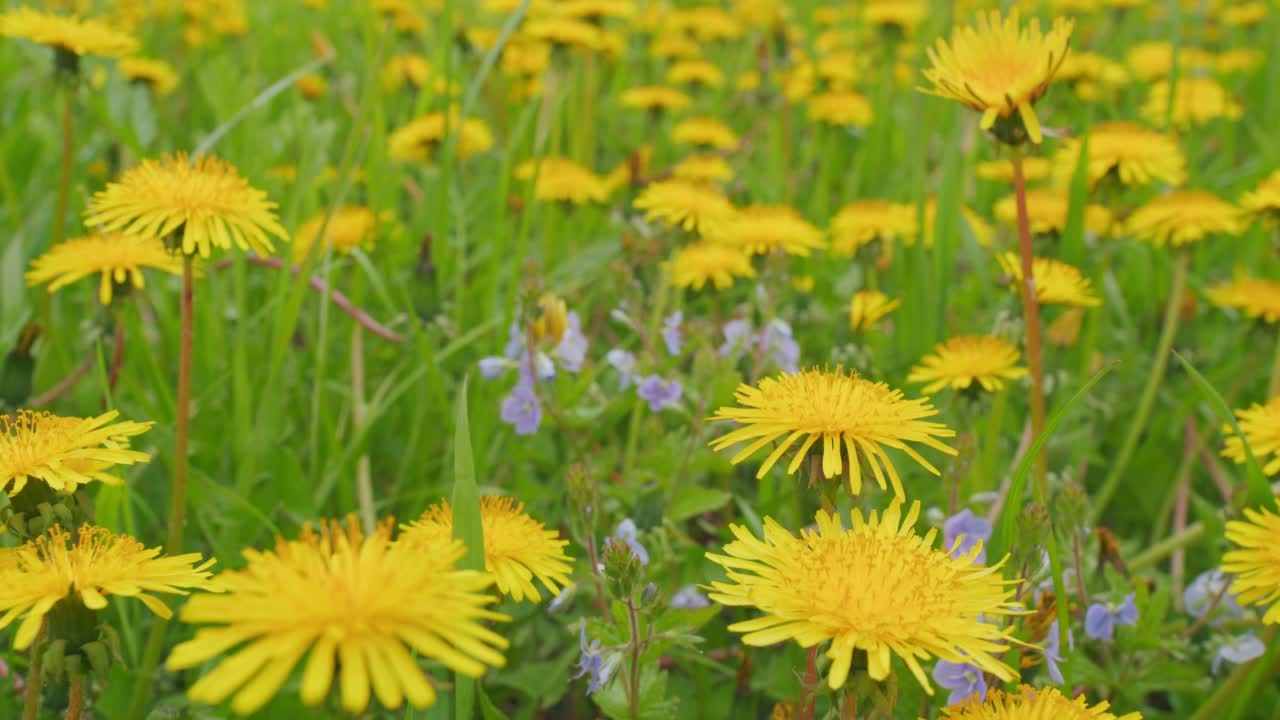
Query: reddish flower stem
{"type": "Point", "coordinates": [1031, 317]}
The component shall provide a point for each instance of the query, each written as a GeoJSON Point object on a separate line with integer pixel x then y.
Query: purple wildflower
{"type": "Point", "coordinates": [572, 349]}
{"type": "Point", "coordinates": [625, 363]}
{"type": "Point", "coordinates": [1052, 650]}
{"type": "Point", "coordinates": [592, 663]}
{"type": "Point", "coordinates": [627, 532]}
{"type": "Point", "coordinates": [1240, 649]}
{"type": "Point", "coordinates": [1101, 619]}
{"type": "Point", "coordinates": [962, 679]}
{"type": "Point", "coordinates": [969, 530]}
{"type": "Point", "coordinates": [671, 334]}
{"type": "Point", "coordinates": [522, 409]}
{"type": "Point", "coordinates": [688, 598]}
{"type": "Point", "coordinates": [659, 393]}
{"type": "Point", "coordinates": [1199, 595]}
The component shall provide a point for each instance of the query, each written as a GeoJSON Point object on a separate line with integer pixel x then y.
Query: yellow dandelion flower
{"type": "Point", "coordinates": [695, 71]}
{"type": "Point", "coordinates": [841, 68]}
{"type": "Point", "coordinates": [868, 307]}
{"type": "Point", "coordinates": [564, 32]}
{"type": "Point", "coordinates": [1031, 703]}
{"type": "Point", "coordinates": [1254, 561]}
{"type": "Point", "coordinates": [703, 169]}
{"type": "Point", "coordinates": [1238, 60]}
{"type": "Point", "coordinates": [1184, 216]}
{"type": "Point", "coordinates": [1033, 169]}
{"type": "Point", "coordinates": [903, 14]}
{"type": "Point", "coordinates": [156, 74]}
{"type": "Point", "coordinates": [312, 86]}
{"type": "Point", "coordinates": [837, 407]}
{"type": "Point", "coordinates": [523, 56]}
{"type": "Point", "coordinates": [563, 180]}
{"type": "Point", "coordinates": [417, 141]}
{"type": "Point", "coordinates": [1130, 152]}
{"type": "Point", "coordinates": [674, 45]}
{"type": "Point", "coordinates": [1047, 212]}
{"type": "Point", "coordinates": [1090, 73]}
{"type": "Point", "coordinates": [876, 587]}
{"type": "Point", "coordinates": [1197, 101]}
{"type": "Point", "coordinates": [597, 9]}
{"type": "Point", "coordinates": [65, 452]}
{"type": "Point", "coordinates": [764, 229]}
{"type": "Point", "coordinates": [1257, 298]}
{"type": "Point", "coordinates": [706, 22]}
{"type": "Point", "coordinates": [693, 266]}
{"type": "Point", "coordinates": [1244, 14]}
{"type": "Point", "coordinates": [962, 361]}
{"type": "Point", "coordinates": [350, 227]}
{"type": "Point", "coordinates": [1056, 282]}
{"type": "Point", "coordinates": [66, 33]}
{"type": "Point", "coordinates": [841, 107]}
{"type": "Point", "coordinates": [1265, 200]}
{"type": "Point", "coordinates": [705, 131]}
{"type": "Point", "coordinates": [117, 259]}
{"type": "Point", "coordinates": [53, 573]}
{"type": "Point", "coordinates": [999, 67]}
{"type": "Point", "coordinates": [356, 606]}
{"type": "Point", "coordinates": [680, 203]}
{"type": "Point", "coordinates": [517, 548]}
{"type": "Point", "coordinates": [405, 68]}
{"type": "Point", "coordinates": [1261, 427]}
{"type": "Point", "coordinates": [204, 200]}
{"type": "Point", "coordinates": [861, 222]}
{"type": "Point", "coordinates": [1154, 60]}
{"type": "Point", "coordinates": [654, 97]}
{"type": "Point", "coordinates": [1064, 331]}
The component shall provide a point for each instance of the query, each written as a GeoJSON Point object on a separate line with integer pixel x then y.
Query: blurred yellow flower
{"type": "Point", "coordinates": [868, 307]}
{"type": "Point", "coordinates": [1197, 101]}
{"type": "Point", "coordinates": [854, 418]}
{"type": "Point", "coordinates": [1047, 212]}
{"type": "Point", "coordinates": [1064, 331]}
{"type": "Point", "coordinates": [654, 97]}
{"type": "Point", "coordinates": [66, 33]}
{"type": "Point", "coordinates": [1028, 702]}
{"type": "Point", "coordinates": [861, 222]}
{"type": "Point", "coordinates": [961, 361]}
{"type": "Point", "coordinates": [312, 86]}
{"type": "Point", "coordinates": [1253, 561]}
{"type": "Point", "coordinates": [695, 265]}
{"type": "Point", "coordinates": [1184, 216]}
{"type": "Point", "coordinates": [695, 71]}
{"type": "Point", "coordinates": [680, 203]}
{"type": "Point", "coordinates": [410, 68]}
{"type": "Point", "coordinates": [841, 107]}
{"type": "Point", "coordinates": [1033, 169]}
{"type": "Point", "coordinates": [1131, 153]}
{"type": "Point", "coordinates": [517, 548]}
{"type": "Point", "coordinates": [705, 22]}
{"type": "Point", "coordinates": [350, 227]}
{"type": "Point", "coordinates": [1257, 298]}
{"type": "Point", "coordinates": [118, 259]}
{"type": "Point", "coordinates": [999, 67]}
{"type": "Point", "coordinates": [1056, 282]}
{"type": "Point", "coordinates": [706, 132]}
{"type": "Point", "coordinates": [764, 229]}
{"type": "Point", "coordinates": [703, 169]}
{"type": "Point", "coordinates": [156, 74]}
{"type": "Point", "coordinates": [1154, 60]}
{"type": "Point", "coordinates": [1265, 199]}
{"type": "Point", "coordinates": [417, 141]}
{"type": "Point", "coordinates": [563, 180]}
{"type": "Point", "coordinates": [876, 588]}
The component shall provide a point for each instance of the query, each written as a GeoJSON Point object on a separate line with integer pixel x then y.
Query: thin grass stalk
{"type": "Point", "coordinates": [1139, 421]}
{"type": "Point", "coordinates": [59, 223]}
{"type": "Point", "coordinates": [1031, 318]}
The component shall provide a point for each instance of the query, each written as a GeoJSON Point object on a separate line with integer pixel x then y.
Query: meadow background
{"type": "Point", "coordinates": [294, 402]}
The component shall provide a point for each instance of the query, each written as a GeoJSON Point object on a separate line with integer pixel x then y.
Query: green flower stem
{"type": "Point", "coordinates": [1139, 421]}
{"type": "Point", "coordinates": [59, 223]}
{"type": "Point", "coordinates": [1031, 318]}
{"type": "Point", "coordinates": [1166, 547]}
{"type": "Point", "coordinates": [35, 680]}
{"type": "Point", "coordinates": [1273, 387]}
{"type": "Point", "coordinates": [178, 508]}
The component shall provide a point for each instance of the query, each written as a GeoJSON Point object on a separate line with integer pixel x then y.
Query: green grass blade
{"type": "Point", "coordinates": [466, 526]}
{"type": "Point", "coordinates": [1259, 490]}
{"type": "Point", "coordinates": [1003, 538]}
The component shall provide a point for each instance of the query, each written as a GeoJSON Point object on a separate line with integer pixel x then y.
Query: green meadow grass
{"type": "Point", "coordinates": [291, 397]}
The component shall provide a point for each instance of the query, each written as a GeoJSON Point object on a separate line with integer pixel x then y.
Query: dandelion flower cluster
{"type": "Point", "coordinates": [876, 587]}
{"type": "Point", "coordinates": [517, 548]}
{"type": "Point", "coordinates": [855, 418]}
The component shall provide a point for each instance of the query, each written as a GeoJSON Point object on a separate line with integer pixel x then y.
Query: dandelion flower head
{"type": "Point", "coordinates": [563, 180]}
{"type": "Point", "coordinates": [1031, 704]}
{"type": "Point", "coordinates": [702, 262]}
{"type": "Point", "coordinates": [1047, 212]}
{"type": "Point", "coordinates": [65, 452]}
{"type": "Point", "coordinates": [875, 587]}
{"type": "Point", "coordinates": [861, 222]}
{"type": "Point", "coordinates": [764, 229]}
{"type": "Point", "coordinates": [706, 132]}
{"type": "Point", "coordinates": [961, 361]}
{"type": "Point", "coordinates": [157, 74]}
{"type": "Point", "coordinates": [66, 32]}
{"type": "Point", "coordinates": [854, 418]}
{"type": "Point", "coordinates": [1261, 427]}
{"type": "Point", "coordinates": [1056, 282]}
{"type": "Point", "coordinates": [693, 207]}
{"type": "Point", "coordinates": [417, 141]}
{"type": "Point", "coordinates": [868, 307]}
{"type": "Point", "coordinates": [1134, 154]}
{"type": "Point", "coordinates": [1255, 561]}
{"type": "Point", "coordinates": [1265, 200]}
{"type": "Point", "coordinates": [1256, 297]}
{"type": "Point", "coordinates": [117, 259]}
{"type": "Point", "coordinates": [1184, 216]}
{"type": "Point", "coordinates": [349, 227]}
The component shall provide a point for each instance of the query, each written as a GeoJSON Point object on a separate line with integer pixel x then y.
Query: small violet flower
{"type": "Point", "coordinates": [627, 532]}
{"type": "Point", "coordinates": [592, 663]}
{"type": "Point", "coordinates": [1101, 619]}
{"type": "Point", "coordinates": [688, 598]}
{"type": "Point", "coordinates": [625, 363]}
{"type": "Point", "coordinates": [671, 334]}
{"type": "Point", "coordinates": [1199, 595]}
{"type": "Point", "coordinates": [572, 349]}
{"type": "Point", "coordinates": [775, 339]}
{"type": "Point", "coordinates": [522, 409]}
{"type": "Point", "coordinates": [968, 529]}
{"type": "Point", "coordinates": [1240, 649]}
{"type": "Point", "coordinates": [1052, 650]}
{"type": "Point", "coordinates": [962, 679]}
{"type": "Point", "coordinates": [659, 393]}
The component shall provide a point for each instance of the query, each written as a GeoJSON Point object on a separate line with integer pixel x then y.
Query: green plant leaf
{"type": "Point", "coordinates": [694, 500]}
{"type": "Point", "coordinates": [466, 526]}
{"type": "Point", "coordinates": [1002, 539]}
